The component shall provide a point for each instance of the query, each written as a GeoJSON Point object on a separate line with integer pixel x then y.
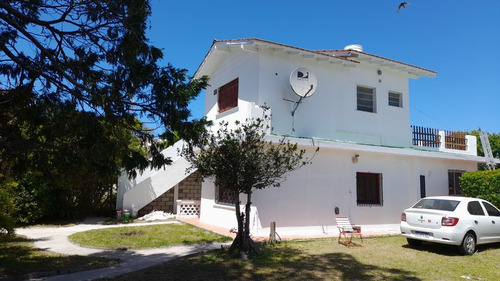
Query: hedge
{"type": "Point", "coordinates": [482, 184]}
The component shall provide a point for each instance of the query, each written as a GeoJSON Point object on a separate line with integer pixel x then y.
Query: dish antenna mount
{"type": "Point", "coordinates": [303, 83]}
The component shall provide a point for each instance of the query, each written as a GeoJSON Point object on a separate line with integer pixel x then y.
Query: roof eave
{"type": "Point", "coordinates": [412, 70]}
{"type": "Point", "coordinates": [219, 48]}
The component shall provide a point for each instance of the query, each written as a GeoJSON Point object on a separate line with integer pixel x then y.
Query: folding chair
{"type": "Point", "coordinates": [346, 228]}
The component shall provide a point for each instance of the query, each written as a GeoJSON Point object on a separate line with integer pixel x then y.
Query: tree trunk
{"type": "Point", "coordinates": [247, 214]}
{"type": "Point", "coordinates": [243, 243]}
{"type": "Point", "coordinates": [248, 242]}
{"type": "Point", "coordinates": [238, 241]}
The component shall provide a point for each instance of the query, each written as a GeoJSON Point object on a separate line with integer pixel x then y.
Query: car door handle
{"type": "Point", "coordinates": [475, 222]}
{"type": "Point", "coordinates": [493, 222]}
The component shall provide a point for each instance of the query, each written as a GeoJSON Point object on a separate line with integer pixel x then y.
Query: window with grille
{"type": "Point", "coordinates": [225, 196]}
{"type": "Point", "coordinates": [369, 189]}
{"type": "Point", "coordinates": [228, 96]}
{"type": "Point", "coordinates": [366, 99]}
{"type": "Point", "coordinates": [454, 182]}
{"type": "Point", "coordinates": [395, 99]}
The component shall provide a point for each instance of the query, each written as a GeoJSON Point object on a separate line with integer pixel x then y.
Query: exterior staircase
{"type": "Point", "coordinates": [136, 193]}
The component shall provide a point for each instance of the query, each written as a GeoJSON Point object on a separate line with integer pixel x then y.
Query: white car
{"type": "Point", "coordinates": [462, 221]}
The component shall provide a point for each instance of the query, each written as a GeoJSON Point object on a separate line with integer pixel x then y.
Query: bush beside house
{"type": "Point", "coordinates": [482, 184]}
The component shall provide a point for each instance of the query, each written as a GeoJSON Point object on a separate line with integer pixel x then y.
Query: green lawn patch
{"type": "Point", "coordinates": [18, 256]}
{"type": "Point", "coordinates": [140, 237]}
{"type": "Point", "coordinates": [383, 258]}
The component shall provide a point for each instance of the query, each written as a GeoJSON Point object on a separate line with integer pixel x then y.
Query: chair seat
{"type": "Point", "coordinates": [346, 228]}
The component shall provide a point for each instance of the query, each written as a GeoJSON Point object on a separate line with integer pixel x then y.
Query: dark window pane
{"type": "Point", "coordinates": [365, 99]}
{"type": "Point", "coordinates": [225, 196]}
{"type": "Point", "coordinates": [475, 209]}
{"type": "Point", "coordinates": [437, 204]}
{"type": "Point", "coordinates": [395, 99]}
{"type": "Point", "coordinates": [368, 189]}
{"type": "Point", "coordinates": [422, 186]}
{"type": "Point", "coordinates": [454, 182]}
{"type": "Point", "coordinates": [492, 211]}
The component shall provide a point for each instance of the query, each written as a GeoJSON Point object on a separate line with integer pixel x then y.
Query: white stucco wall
{"type": "Point", "coordinates": [306, 201]}
{"type": "Point", "coordinates": [221, 214]}
{"type": "Point", "coordinates": [243, 66]}
{"type": "Point", "coordinates": [330, 113]}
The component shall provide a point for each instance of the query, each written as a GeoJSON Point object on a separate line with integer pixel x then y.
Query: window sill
{"type": "Point", "coordinates": [370, 205]}
{"type": "Point", "coordinates": [359, 110]}
{"type": "Point", "coordinates": [225, 207]}
{"type": "Point", "coordinates": [227, 112]}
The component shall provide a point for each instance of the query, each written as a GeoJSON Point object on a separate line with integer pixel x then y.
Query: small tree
{"type": "Point", "coordinates": [241, 160]}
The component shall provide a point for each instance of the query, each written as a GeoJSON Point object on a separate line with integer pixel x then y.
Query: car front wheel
{"type": "Point", "coordinates": [468, 246]}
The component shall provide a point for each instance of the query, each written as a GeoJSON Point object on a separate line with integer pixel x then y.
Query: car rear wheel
{"type": "Point", "coordinates": [414, 242]}
{"type": "Point", "coordinates": [468, 246]}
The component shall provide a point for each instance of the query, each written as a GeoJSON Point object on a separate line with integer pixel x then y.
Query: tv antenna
{"type": "Point", "coordinates": [303, 83]}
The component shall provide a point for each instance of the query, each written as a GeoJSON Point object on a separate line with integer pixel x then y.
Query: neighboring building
{"type": "Point", "coordinates": [371, 165]}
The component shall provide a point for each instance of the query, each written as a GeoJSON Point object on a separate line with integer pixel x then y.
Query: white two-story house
{"type": "Point", "coordinates": [354, 106]}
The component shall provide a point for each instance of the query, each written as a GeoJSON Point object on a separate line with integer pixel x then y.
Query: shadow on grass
{"type": "Point", "coordinates": [19, 257]}
{"type": "Point", "coordinates": [487, 247]}
{"type": "Point", "coordinates": [448, 250]}
{"type": "Point", "coordinates": [435, 248]}
{"type": "Point", "coordinates": [273, 264]}
{"type": "Point", "coordinates": [299, 266]}
{"type": "Point", "coordinates": [354, 243]}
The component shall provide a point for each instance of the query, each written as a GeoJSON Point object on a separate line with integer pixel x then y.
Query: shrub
{"type": "Point", "coordinates": [482, 184]}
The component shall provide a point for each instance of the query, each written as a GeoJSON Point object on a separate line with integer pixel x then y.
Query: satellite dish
{"type": "Point", "coordinates": [303, 82]}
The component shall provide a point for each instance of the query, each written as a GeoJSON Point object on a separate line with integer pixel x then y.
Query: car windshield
{"type": "Point", "coordinates": [437, 204]}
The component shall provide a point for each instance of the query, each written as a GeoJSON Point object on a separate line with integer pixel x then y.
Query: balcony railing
{"type": "Point", "coordinates": [455, 140]}
{"type": "Point", "coordinates": [428, 137]}
{"type": "Point", "coordinates": [432, 138]}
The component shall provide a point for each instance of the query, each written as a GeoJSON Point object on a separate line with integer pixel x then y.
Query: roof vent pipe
{"type": "Point", "coordinates": [354, 47]}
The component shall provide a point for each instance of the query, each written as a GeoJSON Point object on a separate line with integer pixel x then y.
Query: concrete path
{"type": "Point", "coordinates": [55, 239]}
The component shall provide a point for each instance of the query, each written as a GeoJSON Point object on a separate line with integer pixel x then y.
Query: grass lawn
{"type": "Point", "coordinates": [18, 256]}
{"type": "Point", "coordinates": [383, 258]}
{"type": "Point", "coordinates": [140, 237]}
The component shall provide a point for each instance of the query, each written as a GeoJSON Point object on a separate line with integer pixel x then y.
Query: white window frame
{"type": "Point", "coordinates": [396, 95]}
{"type": "Point", "coordinates": [363, 96]}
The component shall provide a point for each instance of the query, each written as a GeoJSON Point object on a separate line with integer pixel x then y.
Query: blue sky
{"type": "Point", "coordinates": [459, 39]}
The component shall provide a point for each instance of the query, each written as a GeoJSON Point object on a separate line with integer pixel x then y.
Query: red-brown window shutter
{"type": "Point", "coordinates": [228, 96]}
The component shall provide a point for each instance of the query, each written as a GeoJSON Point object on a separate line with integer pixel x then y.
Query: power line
{"type": "Point", "coordinates": [444, 126]}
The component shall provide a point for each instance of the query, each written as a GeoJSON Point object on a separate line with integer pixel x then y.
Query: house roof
{"type": "Point", "coordinates": [347, 58]}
